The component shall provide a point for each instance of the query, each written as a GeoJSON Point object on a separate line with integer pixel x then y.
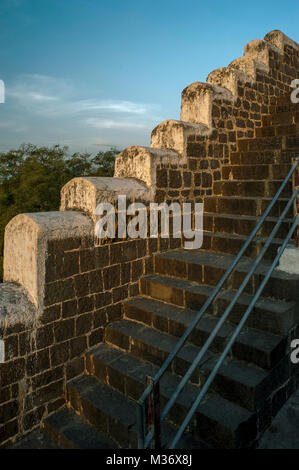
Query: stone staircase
{"type": "Point", "coordinates": [257, 377]}
{"type": "Point", "coordinates": [248, 183]}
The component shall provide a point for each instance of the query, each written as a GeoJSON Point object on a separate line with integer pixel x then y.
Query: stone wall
{"type": "Point", "coordinates": [228, 107]}
{"type": "Point", "coordinates": [62, 286]}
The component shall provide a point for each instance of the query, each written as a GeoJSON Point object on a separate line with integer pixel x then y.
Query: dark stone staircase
{"type": "Point", "coordinates": [249, 182]}
{"type": "Point", "coordinates": [257, 377]}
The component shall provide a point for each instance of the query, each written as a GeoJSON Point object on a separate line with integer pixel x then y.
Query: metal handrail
{"type": "Point", "coordinates": [223, 318]}
{"type": "Point", "coordinates": [145, 439]}
{"type": "Point", "coordinates": [232, 339]}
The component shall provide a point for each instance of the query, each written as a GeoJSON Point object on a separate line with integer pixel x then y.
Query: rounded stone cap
{"type": "Point", "coordinates": [280, 40]}
{"type": "Point", "coordinates": [173, 135]}
{"type": "Point", "coordinates": [84, 194]}
{"type": "Point", "coordinates": [25, 246]}
{"type": "Point", "coordinates": [141, 163]}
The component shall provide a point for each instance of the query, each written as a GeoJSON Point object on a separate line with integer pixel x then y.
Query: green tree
{"type": "Point", "coordinates": [104, 162]}
{"type": "Point", "coordinates": [31, 178]}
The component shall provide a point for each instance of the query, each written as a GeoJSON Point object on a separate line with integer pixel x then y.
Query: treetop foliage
{"type": "Point", "coordinates": [31, 178]}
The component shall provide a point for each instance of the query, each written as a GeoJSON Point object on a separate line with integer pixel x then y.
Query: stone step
{"type": "Point", "coordinates": [188, 294]}
{"type": "Point", "coordinates": [247, 385]}
{"type": "Point", "coordinates": [253, 206]}
{"type": "Point", "coordinates": [258, 144]}
{"type": "Point", "coordinates": [105, 409]}
{"type": "Point", "coordinates": [243, 225]}
{"type": "Point", "coordinates": [284, 118]}
{"type": "Point", "coordinates": [254, 188]}
{"type": "Point", "coordinates": [261, 157]}
{"type": "Point", "coordinates": [208, 268]}
{"type": "Point", "coordinates": [232, 244]}
{"type": "Point", "coordinates": [278, 130]}
{"type": "Point", "coordinates": [35, 440]}
{"type": "Point", "coordinates": [114, 414]}
{"type": "Point", "coordinates": [277, 144]}
{"type": "Point", "coordinates": [252, 345]}
{"type": "Point", "coordinates": [69, 431]}
{"type": "Point", "coordinates": [281, 100]}
{"type": "Point", "coordinates": [282, 108]}
{"type": "Point", "coordinates": [217, 421]}
{"type": "Point", "coordinates": [283, 105]}
{"type": "Point", "coordinates": [292, 144]}
{"type": "Point", "coordinates": [254, 172]}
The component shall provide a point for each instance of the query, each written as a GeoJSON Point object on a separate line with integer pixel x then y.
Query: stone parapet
{"type": "Point", "coordinates": [174, 135]}
{"type": "Point", "coordinates": [84, 194]}
{"type": "Point", "coordinates": [25, 246]}
{"type": "Point", "coordinates": [62, 288]}
{"type": "Point", "coordinates": [142, 163]}
{"type": "Point", "coordinates": [197, 101]}
{"type": "Point", "coordinates": [229, 106]}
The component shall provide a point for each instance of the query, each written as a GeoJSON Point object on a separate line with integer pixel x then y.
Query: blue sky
{"type": "Point", "coordinates": [95, 73]}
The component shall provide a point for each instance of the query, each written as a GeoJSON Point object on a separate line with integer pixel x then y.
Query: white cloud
{"type": "Point", "coordinates": [25, 96]}
{"type": "Point", "coordinates": [28, 90]}
{"type": "Point", "coordinates": [6, 124]}
{"type": "Point", "coordinates": [114, 106]}
{"type": "Point", "coordinates": [113, 124]}
{"type": "Point", "coordinates": [47, 109]}
{"type": "Point", "coordinates": [40, 97]}
{"type": "Point", "coordinates": [54, 97]}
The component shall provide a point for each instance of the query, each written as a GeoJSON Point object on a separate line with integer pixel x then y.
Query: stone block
{"type": "Point", "coordinates": [26, 245]}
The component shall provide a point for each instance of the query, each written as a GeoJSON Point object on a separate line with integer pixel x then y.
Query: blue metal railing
{"type": "Point", "coordinates": [145, 438]}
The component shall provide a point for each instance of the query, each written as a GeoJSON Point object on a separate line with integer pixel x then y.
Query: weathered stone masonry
{"type": "Point", "coordinates": [62, 288]}
{"type": "Point", "coordinates": [74, 288]}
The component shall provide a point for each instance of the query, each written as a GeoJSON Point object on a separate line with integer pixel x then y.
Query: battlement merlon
{"type": "Point", "coordinates": [27, 236]}
{"type": "Point", "coordinates": [221, 86]}
{"type": "Point", "coordinates": [26, 243]}
{"type": "Point", "coordinates": [85, 193]}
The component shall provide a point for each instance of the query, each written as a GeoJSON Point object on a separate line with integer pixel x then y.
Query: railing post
{"type": "Point", "coordinates": [153, 412]}
{"type": "Point", "coordinates": [157, 426]}
{"type": "Point", "coordinates": [140, 424]}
